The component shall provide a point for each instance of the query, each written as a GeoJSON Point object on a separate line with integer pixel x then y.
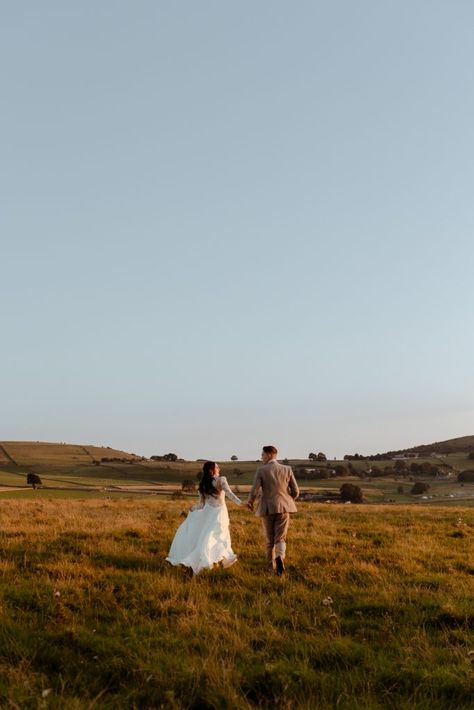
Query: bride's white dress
{"type": "Point", "coordinates": [204, 538]}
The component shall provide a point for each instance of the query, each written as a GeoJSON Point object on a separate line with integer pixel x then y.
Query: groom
{"type": "Point", "coordinates": [279, 489]}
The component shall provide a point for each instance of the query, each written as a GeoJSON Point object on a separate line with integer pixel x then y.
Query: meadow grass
{"type": "Point", "coordinates": [376, 610]}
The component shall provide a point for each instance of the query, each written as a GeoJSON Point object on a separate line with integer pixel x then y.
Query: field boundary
{"type": "Point", "coordinates": [3, 449]}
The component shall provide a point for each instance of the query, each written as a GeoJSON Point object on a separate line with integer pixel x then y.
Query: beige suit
{"type": "Point", "coordinates": [278, 491]}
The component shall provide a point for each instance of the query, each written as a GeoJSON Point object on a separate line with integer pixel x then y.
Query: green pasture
{"type": "Point", "coordinates": [240, 474]}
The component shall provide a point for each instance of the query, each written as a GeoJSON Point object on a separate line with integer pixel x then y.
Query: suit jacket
{"type": "Point", "coordinates": [279, 488]}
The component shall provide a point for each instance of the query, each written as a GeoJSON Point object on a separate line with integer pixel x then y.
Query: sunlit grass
{"type": "Point", "coordinates": [376, 610]}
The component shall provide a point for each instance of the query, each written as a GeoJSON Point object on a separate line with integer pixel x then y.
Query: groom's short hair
{"type": "Point", "coordinates": [270, 450]}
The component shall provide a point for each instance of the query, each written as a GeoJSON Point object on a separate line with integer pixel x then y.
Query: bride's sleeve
{"type": "Point", "coordinates": [228, 491]}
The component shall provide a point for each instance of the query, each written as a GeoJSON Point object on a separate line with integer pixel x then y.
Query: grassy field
{"type": "Point", "coordinates": [376, 611]}
{"type": "Point", "coordinates": [159, 475]}
{"type": "Point", "coordinates": [72, 467]}
{"type": "Point", "coordinates": [26, 453]}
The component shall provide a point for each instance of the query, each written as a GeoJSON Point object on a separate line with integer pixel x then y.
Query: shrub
{"type": "Point", "coordinates": [466, 477]}
{"type": "Point", "coordinates": [350, 492]}
{"type": "Point", "coordinates": [322, 474]}
{"type": "Point", "coordinates": [314, 474]}
{"type": "Point", "coordinates": [419, 487]}
{"type": "Point", "coordinates": [427, 469]}
{"type": "Point", "coordinates": [188, 485]}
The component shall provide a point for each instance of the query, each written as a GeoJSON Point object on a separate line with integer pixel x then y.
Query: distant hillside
{"type": "Point", "coordinates": [463, 444]}
{"type": "Point", "coordinates": [28, 453]}
{"type": "Point", "coordinates": [451, 446]}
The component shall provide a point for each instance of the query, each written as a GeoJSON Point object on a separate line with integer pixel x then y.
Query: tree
{"type": "Point", "coordinates": [312, 457]}
{"type": "Point", "coordinates": [399, 465]}
{"type": "Point", "coordinates": [322, 474]}
{"type": "Point", "coordinates": [321, 456]}
{"type": "Point", "coordinates": [419, 487]}
{"type": "Point", "coordinates": [234, 458]}
{"type": "Point", "coordinates": [350, 492]}
{"type": "Point", "coordinates": [34, 480]}
{"type": "Point", "coordinates": [466, 477]}
{"type": "Point", "coordinates": [427, 469]}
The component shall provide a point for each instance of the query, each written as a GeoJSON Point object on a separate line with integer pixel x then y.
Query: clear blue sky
{"type": "Point", "coordinates": [230, 224]}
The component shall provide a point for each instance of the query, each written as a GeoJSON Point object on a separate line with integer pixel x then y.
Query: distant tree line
{"type": "Point", "coordinates": [118, 459]}
{"type": "Point", "coordinates": [317, 457]}
{"type": "Point", "coordinates": [166, 457]}
{"type": "Point", "coordinates": [320, 473]}
{"type": "Point", "coordinates": [372, 457]}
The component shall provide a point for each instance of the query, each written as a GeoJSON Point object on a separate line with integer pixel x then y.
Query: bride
{"type": "Point", "coordinates": [204, 538]}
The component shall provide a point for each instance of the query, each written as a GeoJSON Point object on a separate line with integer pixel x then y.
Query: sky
{"type": "Point", "coordinates": [224, 225]}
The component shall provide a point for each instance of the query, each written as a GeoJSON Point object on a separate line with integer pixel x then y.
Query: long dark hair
{"type": "Point", "coordinates": [206, 486]}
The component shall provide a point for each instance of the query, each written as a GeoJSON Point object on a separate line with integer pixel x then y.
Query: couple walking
{"type": "Point", "coordinates": [203, 539]}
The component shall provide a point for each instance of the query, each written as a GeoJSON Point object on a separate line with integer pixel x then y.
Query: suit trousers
{"type": "Point", "coordinates": [276, 528]}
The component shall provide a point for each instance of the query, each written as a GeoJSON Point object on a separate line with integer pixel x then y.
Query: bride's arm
{"type": "Point", "coordinates": [224, 486]}
{"type": "Point", "coordinates": [198, 505]}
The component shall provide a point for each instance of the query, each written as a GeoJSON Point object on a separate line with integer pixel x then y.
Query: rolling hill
{"type": "Point", "coordinates": [462, 444]}
{"type": "Point", "coordinates": [27, 453]}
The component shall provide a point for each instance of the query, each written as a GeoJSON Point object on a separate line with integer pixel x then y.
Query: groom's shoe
{"type": "Point", "coordinates": [280, 566]}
